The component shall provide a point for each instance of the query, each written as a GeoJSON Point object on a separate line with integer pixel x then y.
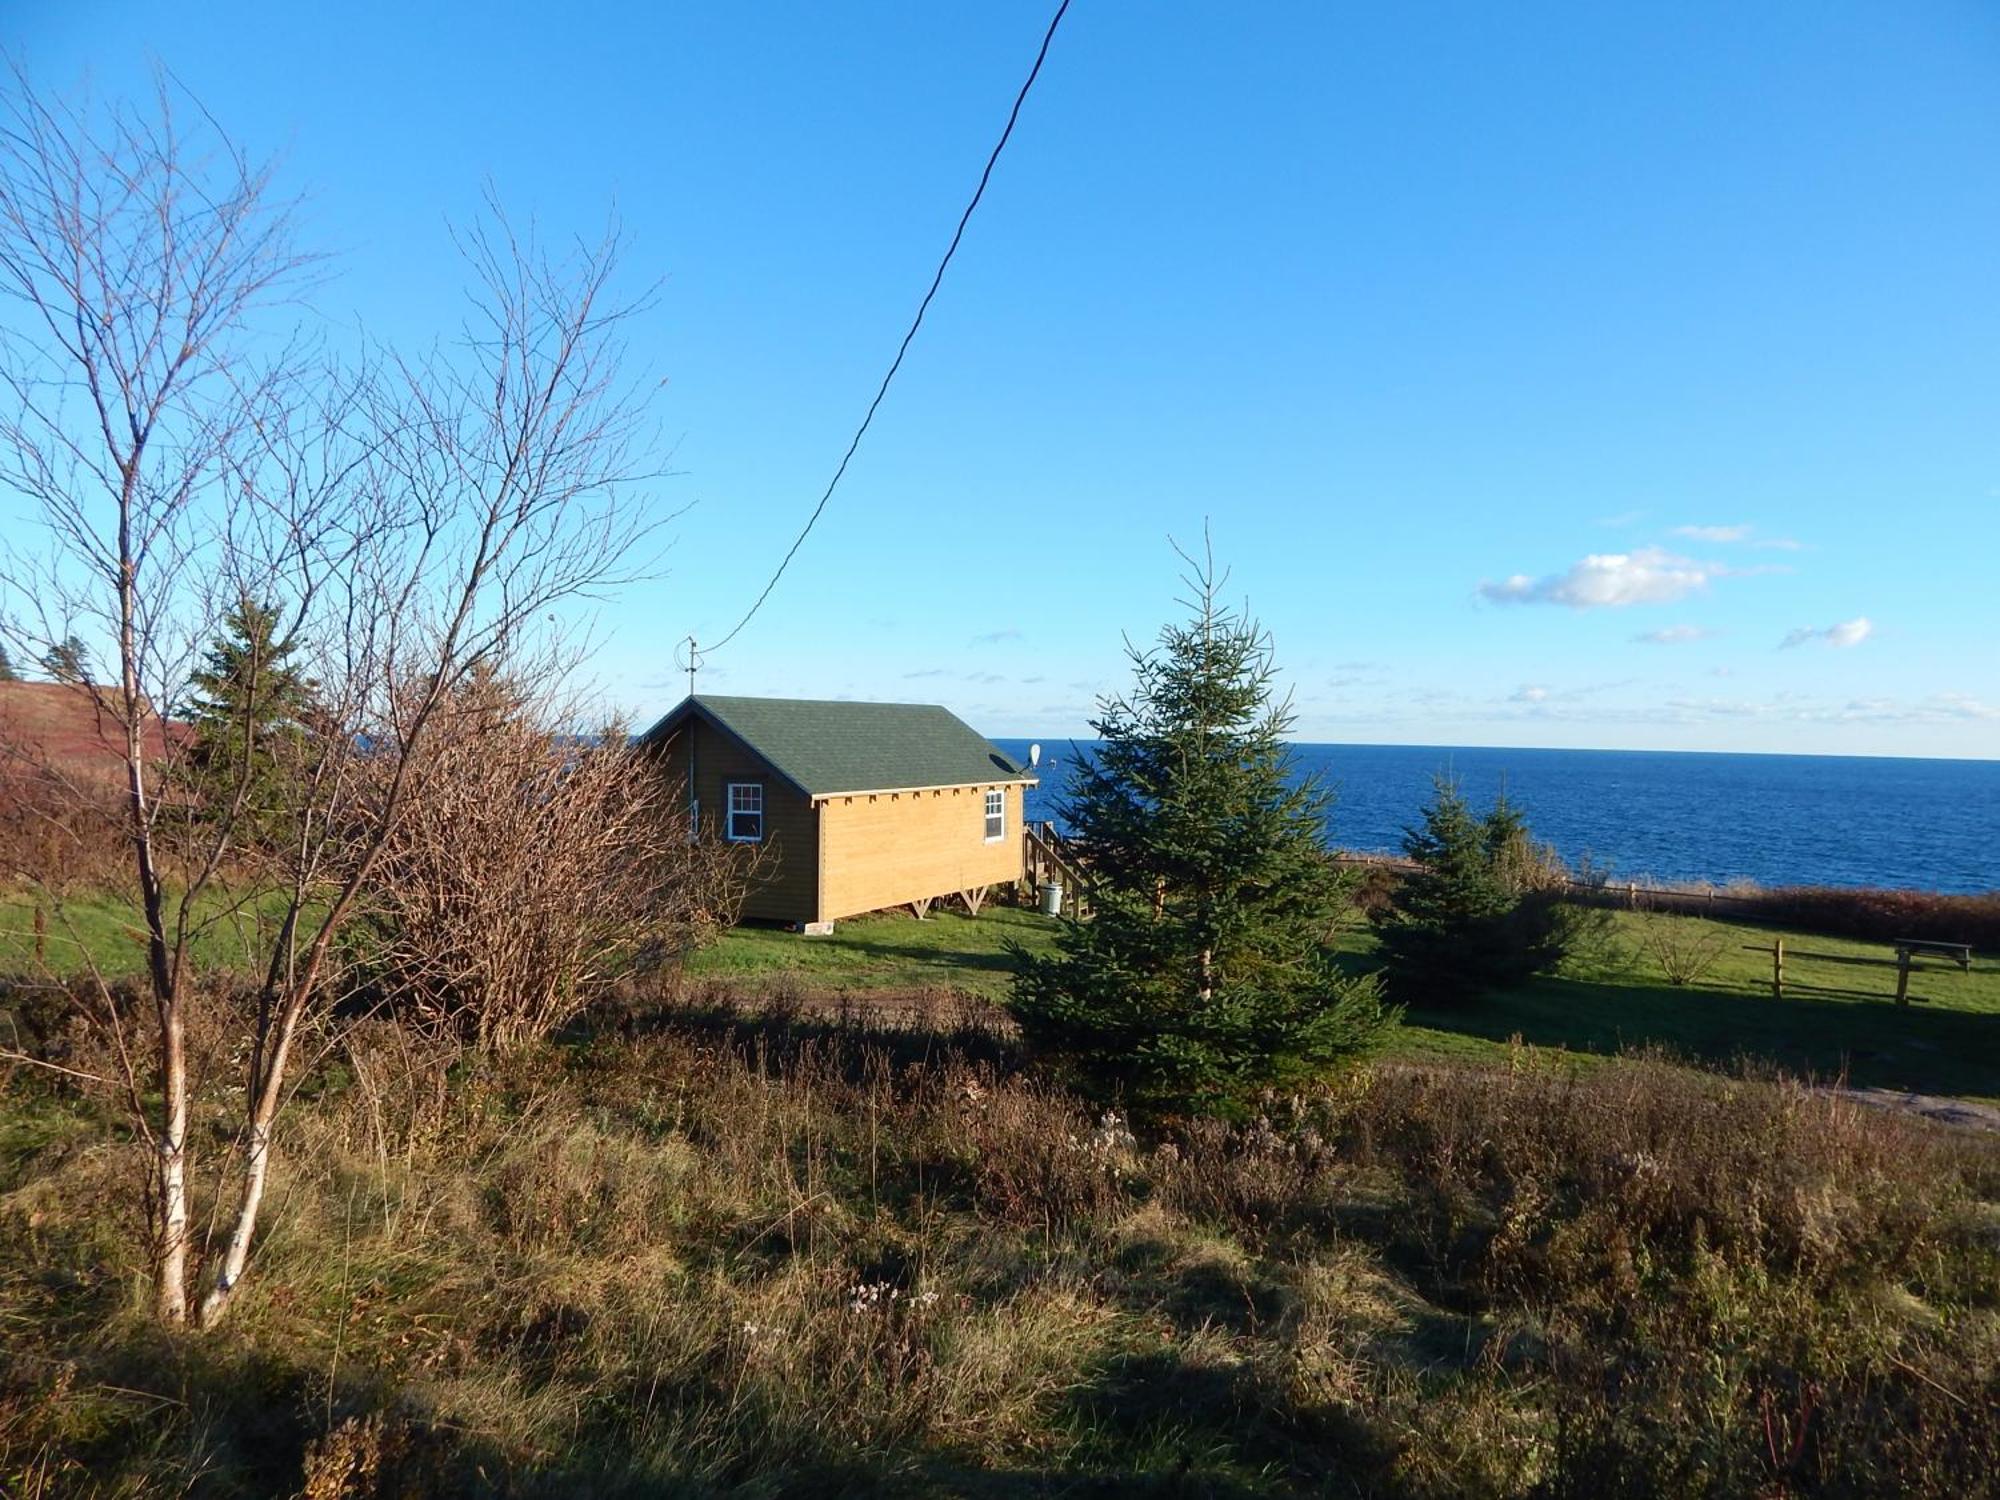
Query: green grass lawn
{"type": "Point", "coordinates": [107, 930]}
{"type": "Point", "coordinates": [1949, 1044]}
{"type": "Point", "coordinates": [1618, 999]}
{"type": "Point", "coordinates": [890, 952]}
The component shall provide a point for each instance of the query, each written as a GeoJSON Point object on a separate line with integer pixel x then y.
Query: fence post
{"type": "Point", "coordinates": [1902, 976]}
{"type": "Point", "coordinates": [1777, 968]}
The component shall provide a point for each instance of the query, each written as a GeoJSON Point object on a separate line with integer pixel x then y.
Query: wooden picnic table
{"type": "Point", "coordinates": [1958, 953]}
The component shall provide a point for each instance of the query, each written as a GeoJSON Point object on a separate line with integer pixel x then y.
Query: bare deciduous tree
{"type": "Point", "coordinates": [410, 520]}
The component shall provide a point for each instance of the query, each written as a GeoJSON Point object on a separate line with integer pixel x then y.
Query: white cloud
{"type": "Point", "coordinates": [1841, 636]}
{"type": "Point", "coordinates": [996, 637]}
{"type": "Point", "coordinates": [1609, 580]}
{"type": "Point", "coordinates": [1744, 534]}
{"type": "Point", "coordinates": [1721, 708]}
{"type": "Point", "coordinates": [1674, 635]}
{"type": "Point", "coordinates": [1964, 706]}
{"type": "Point", "coordinates": [1529, 693]}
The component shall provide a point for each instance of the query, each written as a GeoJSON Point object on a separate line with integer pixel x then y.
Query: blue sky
{"type": "Point", "coordinates": [1541, 371]}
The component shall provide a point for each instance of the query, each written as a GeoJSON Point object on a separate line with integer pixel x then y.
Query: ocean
{"type": "Point", "coordinates": [1673, 816]}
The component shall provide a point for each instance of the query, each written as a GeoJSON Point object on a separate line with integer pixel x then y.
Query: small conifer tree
{"type": "Point", "coordinates": [1477, 913]}
{"type": "Point", "coordinates": [248, 715]}
{"type": "Point", "coordinates": [7, 672]}
{"type": "Point", "coordinates": [67, 661]}
{"type": "Point", "coordinates": [1203, 974]}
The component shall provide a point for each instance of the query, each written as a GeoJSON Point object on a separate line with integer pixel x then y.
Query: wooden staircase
{"type": "Point", "coordinates": [1047, 856]}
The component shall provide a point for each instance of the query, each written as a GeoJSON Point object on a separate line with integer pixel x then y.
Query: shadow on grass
{"type": "Point", "coordinates": [944, 960]}
{"type": "Point", "coordinates": [854, 1040]}
{"type": "Point", "coordinates": [1169, 1422]}
{"type": "Point", "coordinates": [1875, 1043]}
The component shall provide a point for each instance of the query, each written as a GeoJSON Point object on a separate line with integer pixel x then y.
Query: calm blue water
{"type": "Point", "coordinates": [1773, 819]}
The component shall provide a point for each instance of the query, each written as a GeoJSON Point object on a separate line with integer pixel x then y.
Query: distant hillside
{"type": "Point", "coordinates": [70, 729]}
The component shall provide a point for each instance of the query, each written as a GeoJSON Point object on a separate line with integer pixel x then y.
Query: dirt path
{"type": "Point", "coordinates": [1938, 1107]}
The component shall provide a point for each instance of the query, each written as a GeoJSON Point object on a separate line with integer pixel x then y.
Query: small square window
{"type": "Point", "coordinates": [746, 812]}
{"type": "Point", "coordinates": [996, 815]}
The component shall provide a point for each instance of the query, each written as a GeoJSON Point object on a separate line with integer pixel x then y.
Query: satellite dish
{"type": "Point", "coordinates": [1034, 756]}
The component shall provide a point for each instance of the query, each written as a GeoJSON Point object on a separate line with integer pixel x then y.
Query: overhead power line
{"type": "Point", "coordinates": [902, 349]}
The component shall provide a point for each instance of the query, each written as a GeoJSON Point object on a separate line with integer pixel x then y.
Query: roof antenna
{"type": "Point", "coordinates": [692, 662]}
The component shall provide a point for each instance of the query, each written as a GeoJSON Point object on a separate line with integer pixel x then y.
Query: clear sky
{"type": "Point", "coordinates": [1569, 374]}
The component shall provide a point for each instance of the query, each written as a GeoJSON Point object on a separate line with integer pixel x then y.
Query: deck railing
{"type": "Point", "coordinates": [1047, 856]}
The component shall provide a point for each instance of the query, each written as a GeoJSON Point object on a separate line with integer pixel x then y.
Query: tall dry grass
{"type": "Point", "coordinates": [711, 1254]}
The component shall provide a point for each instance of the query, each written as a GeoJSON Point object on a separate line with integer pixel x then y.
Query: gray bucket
{"type": "Point", "coordinates": [1052, 894]}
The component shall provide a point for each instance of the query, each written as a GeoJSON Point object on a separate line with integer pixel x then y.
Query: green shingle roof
{"type": "Point", "coordinates": [825, 747]}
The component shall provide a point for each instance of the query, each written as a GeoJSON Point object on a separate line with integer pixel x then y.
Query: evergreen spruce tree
{"type": "Point", "coordinates": [1203, 974]}
{"type": "Point", "coordinates": [1475, 916]}
{"type": "Point", "coordinates": [7, 672]}
{"type": "Point", "coordinates": [248, 716]}
{"type": "Point", "coordinates": [67, 661]}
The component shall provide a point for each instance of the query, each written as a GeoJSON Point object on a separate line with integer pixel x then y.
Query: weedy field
{"type": "Point", "coordinates": [769, 1234]}
{"type": "Point", "coordinates": [709, 1254]}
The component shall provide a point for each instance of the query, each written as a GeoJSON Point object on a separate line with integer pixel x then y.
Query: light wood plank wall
{"type": "Point", "coordinates": [882, 849]}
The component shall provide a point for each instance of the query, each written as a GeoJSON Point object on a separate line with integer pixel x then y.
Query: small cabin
{"type": "Point", "coordinates": [860, 806]}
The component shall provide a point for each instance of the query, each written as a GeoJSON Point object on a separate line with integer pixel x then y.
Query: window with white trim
{"type": "Point", "coordinates": [746, 812]}
{"type": "Point", "coordinates": [996, 815]}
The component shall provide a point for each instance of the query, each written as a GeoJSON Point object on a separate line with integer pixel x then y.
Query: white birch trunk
{"type": "Point", "coordinates": [170, 1298]}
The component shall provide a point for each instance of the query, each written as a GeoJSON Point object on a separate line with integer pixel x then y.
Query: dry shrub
{"type": "Point", "coordinates": [1530, 1182]}
{"type": "Point", "coordinates": [62, 836]}
{"type": "Point", "coordinates": [1284, 1177]}
{"type": "Point", "coordinates": [1880, 914]}
{"type": "Point", "coordinates": [1373, 883]}
{"type": "Point", "coordinates": [1862, 913]}
{"type": "Point", "coordinates": [537, 869]}
{"type": "Point", "coordinates": [1039, 1159]}
{"type": "Point", "coordinates": [1684, 947]}
{"type": "Point", "coordinates": [346, 1463]}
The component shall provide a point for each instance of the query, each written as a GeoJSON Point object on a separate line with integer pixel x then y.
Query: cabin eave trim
{"type": "Point", "coordinates": [948, 786]}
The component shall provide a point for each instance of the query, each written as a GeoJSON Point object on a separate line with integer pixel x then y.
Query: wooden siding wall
{"type": "Point", "coordinates": [789, 889]}
{"type": "Point", "coordinates": [882, 849]}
